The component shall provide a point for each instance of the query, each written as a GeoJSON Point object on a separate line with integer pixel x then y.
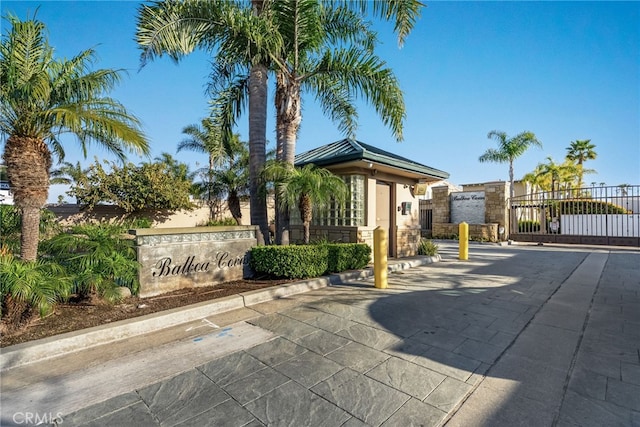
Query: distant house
{"type": "Point", "coordinates": [6, 197]}
{"type": "Point", "coordinates": [383, 191]}
{"type": "Point", "coordinates": [521, 188]}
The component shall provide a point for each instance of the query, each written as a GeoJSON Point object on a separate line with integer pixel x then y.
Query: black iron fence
{"type": "Point", "coordinates": [426, 217]}
{"type": "Point", "coordinates": [592, 215]}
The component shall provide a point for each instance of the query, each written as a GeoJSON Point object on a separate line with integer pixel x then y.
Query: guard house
{"type": "Point", "coordinates": [383, 192]}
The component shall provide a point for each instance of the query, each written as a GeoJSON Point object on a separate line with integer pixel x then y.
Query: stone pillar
{"type": "Point", "coordinates": [441, 207]}
{"type": "Point", "coordinates": [497, 205]}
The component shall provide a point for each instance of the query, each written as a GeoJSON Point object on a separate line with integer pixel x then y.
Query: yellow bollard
{"type": "Point", "coordinates": [380, 245]}
{"type": "Point", "coordinates": [463, 230]}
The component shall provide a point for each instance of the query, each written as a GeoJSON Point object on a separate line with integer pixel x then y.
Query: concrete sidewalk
{"type": "Point", "coordinates": [514, 336]}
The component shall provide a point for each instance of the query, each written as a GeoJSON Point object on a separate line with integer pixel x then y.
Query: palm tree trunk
{"type": "Point", "coordinates": [288, 119]}
{"type": "Point", "coordinates": [30, 233]}
{"type": "Point", "coordinates": [28, 161]}
{"type": "Point", "coordinates": [306, 227]}
{"type": "Point", "coordinates": [305, 207]}
{"type": "Point", "coordinates": [580, 174]}
{"type": "Point", "coordinates": [233, 202]}
{"type": "Point", "coordinates": [14, 313]}
{"type": "Point", "coordinates": [257, 150]}
{"type": "Point", "coordinates": [512, 189]}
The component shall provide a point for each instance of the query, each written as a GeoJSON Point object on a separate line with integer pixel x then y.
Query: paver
{"type": "Point", "coordinates": [517, 336]}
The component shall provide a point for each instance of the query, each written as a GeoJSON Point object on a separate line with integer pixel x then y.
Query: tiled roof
{"type": "Point", "coordinates": [348, 150]}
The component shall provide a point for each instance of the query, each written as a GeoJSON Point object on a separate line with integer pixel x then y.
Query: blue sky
{"type": "Point", "coordinates": [563, 70]}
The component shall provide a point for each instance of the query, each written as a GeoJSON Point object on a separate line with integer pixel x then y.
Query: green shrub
{"type": "Point", "coordinates": [528, 226]}
{"type": "Point", "coordinates": [221, 222]}
{"type": "Point", "coordinates": [580, 206]}
{"type": "Point", "coordinates": [137, 222]}
{"type": "Point", "coordinates": [427, 247]}
{"type": "Point", "coordinates": [292, 261]}
{"type": "Point", "coordinates": [100, 257]}
{"type": "Point", "coordinates": [29, 286]}
{"type": "Point", "coordinates": [347, 256]}
{"type": "Point", "coordinates": [10, 227]}
{"type": "Point", "coordinates": [10, 223]}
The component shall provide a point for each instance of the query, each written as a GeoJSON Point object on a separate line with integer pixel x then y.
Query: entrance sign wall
{"type": "Point", "coordinates": [467, 206]}
{"type": "Point", "coordinates": [176, 258]}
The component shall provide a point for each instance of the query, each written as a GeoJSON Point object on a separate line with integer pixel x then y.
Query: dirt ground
{"type": "Point", "coordinates": [76, 315]}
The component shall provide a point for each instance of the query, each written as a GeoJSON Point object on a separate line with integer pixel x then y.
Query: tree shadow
{"type": "Point", "coordinates": [458, 318]}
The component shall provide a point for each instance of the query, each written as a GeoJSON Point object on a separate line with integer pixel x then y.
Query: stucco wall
{"type": "Point", "coordinates": [70, 214]}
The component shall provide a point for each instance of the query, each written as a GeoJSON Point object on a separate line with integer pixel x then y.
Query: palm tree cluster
{"type": "Point", "coordinates": [325, 48]}
{"type": "Point", "coordinates": [567, 176]}
{"type": "Point", "coordinates": [549, 176]}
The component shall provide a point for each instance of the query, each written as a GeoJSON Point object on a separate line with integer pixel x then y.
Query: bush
{"type": "Point", "coordinates": [578, 207]}
{"type": "Point", "coordinates": [347, 256]}
{"type": "Point", "coordinates": [221, 222]}
{"type": "Point", "coordinates": [136, 222]}
{"type": "Point", "coordinates": [100, 257]}
{"type": "Point", "coordinates": [293, 261]}
{"type": "Point", "coordinates": [427, 247]}
{"type": "Point", "coordinates": [27, 286]}
{"type": "Point", "coordinates": [11, 223]}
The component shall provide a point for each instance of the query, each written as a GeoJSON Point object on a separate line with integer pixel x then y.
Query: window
{"type": "Point", "coordinates": [349, 213]}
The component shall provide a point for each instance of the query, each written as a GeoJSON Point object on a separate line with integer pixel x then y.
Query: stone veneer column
{"type": "Point", "coordinates": [497, 205]}
{"type": "Point", "coordinates": [441, 208]}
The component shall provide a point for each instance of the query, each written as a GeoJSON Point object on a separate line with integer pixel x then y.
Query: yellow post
{"type": "Point", "coordinates": [463, 231]}
{"type": "Point", "coordinates": [380, 257]}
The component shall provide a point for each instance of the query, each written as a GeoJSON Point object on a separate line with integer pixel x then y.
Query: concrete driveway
{"type": "Point", "coordinates": [516, 335]}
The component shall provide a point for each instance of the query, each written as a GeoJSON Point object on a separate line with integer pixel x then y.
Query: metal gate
{"type": "Point", "coordinates": [595, 215]}
{"type": "Point", "coordinates": [426, 217]}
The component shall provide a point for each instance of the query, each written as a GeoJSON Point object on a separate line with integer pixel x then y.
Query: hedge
{"type": "Point", "coordinates": [578, 207]}
{"type": "Point", "coordinates": [304, 261]}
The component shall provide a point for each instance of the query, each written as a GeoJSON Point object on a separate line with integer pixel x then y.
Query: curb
{"type": "Point", "coordinates": [57, 345]}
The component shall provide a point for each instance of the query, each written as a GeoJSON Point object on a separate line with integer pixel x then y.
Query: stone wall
{"type": "Point", "coordinates": [496, 214]}
{"type": "Point", "coordinates": [176, 258]}
{"type": "Point", "coordinates": [441, 209]}
{"type": "Point", "coordinates": [477, 232]}
{"type": "Point", "coordinates": [497, 204]}
{"type": "Point", "coordinates": [407, 241]}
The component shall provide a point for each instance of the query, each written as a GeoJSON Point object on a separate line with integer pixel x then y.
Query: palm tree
{"type": "Point", "coordinates": [206, 138]}
{"type": "Point", "coordinates": [41, 98]}
{"type": "Point", "coordinates": [69, 174]}
{"type": "Point", "coordinates": [328, 52]}
{"type": "Point", "coordinates": [306, 187]}
{"type": "Point", "coordinates": [232, 180]}
{"type": "Point", "coordinates": [623, 189]}
{"type": "Point", "coordinates": [508, 150]}
{"type": "Point", "coordinates": [242, 40]}
{"type": "Point", "coordinates": [580, 151]}
{"type": "Point", "coordinates": [227, 174]}
{"type": "Point", "coordinates": [245, 37]}
{"type": "Point", "coordinates": [554, 177]}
